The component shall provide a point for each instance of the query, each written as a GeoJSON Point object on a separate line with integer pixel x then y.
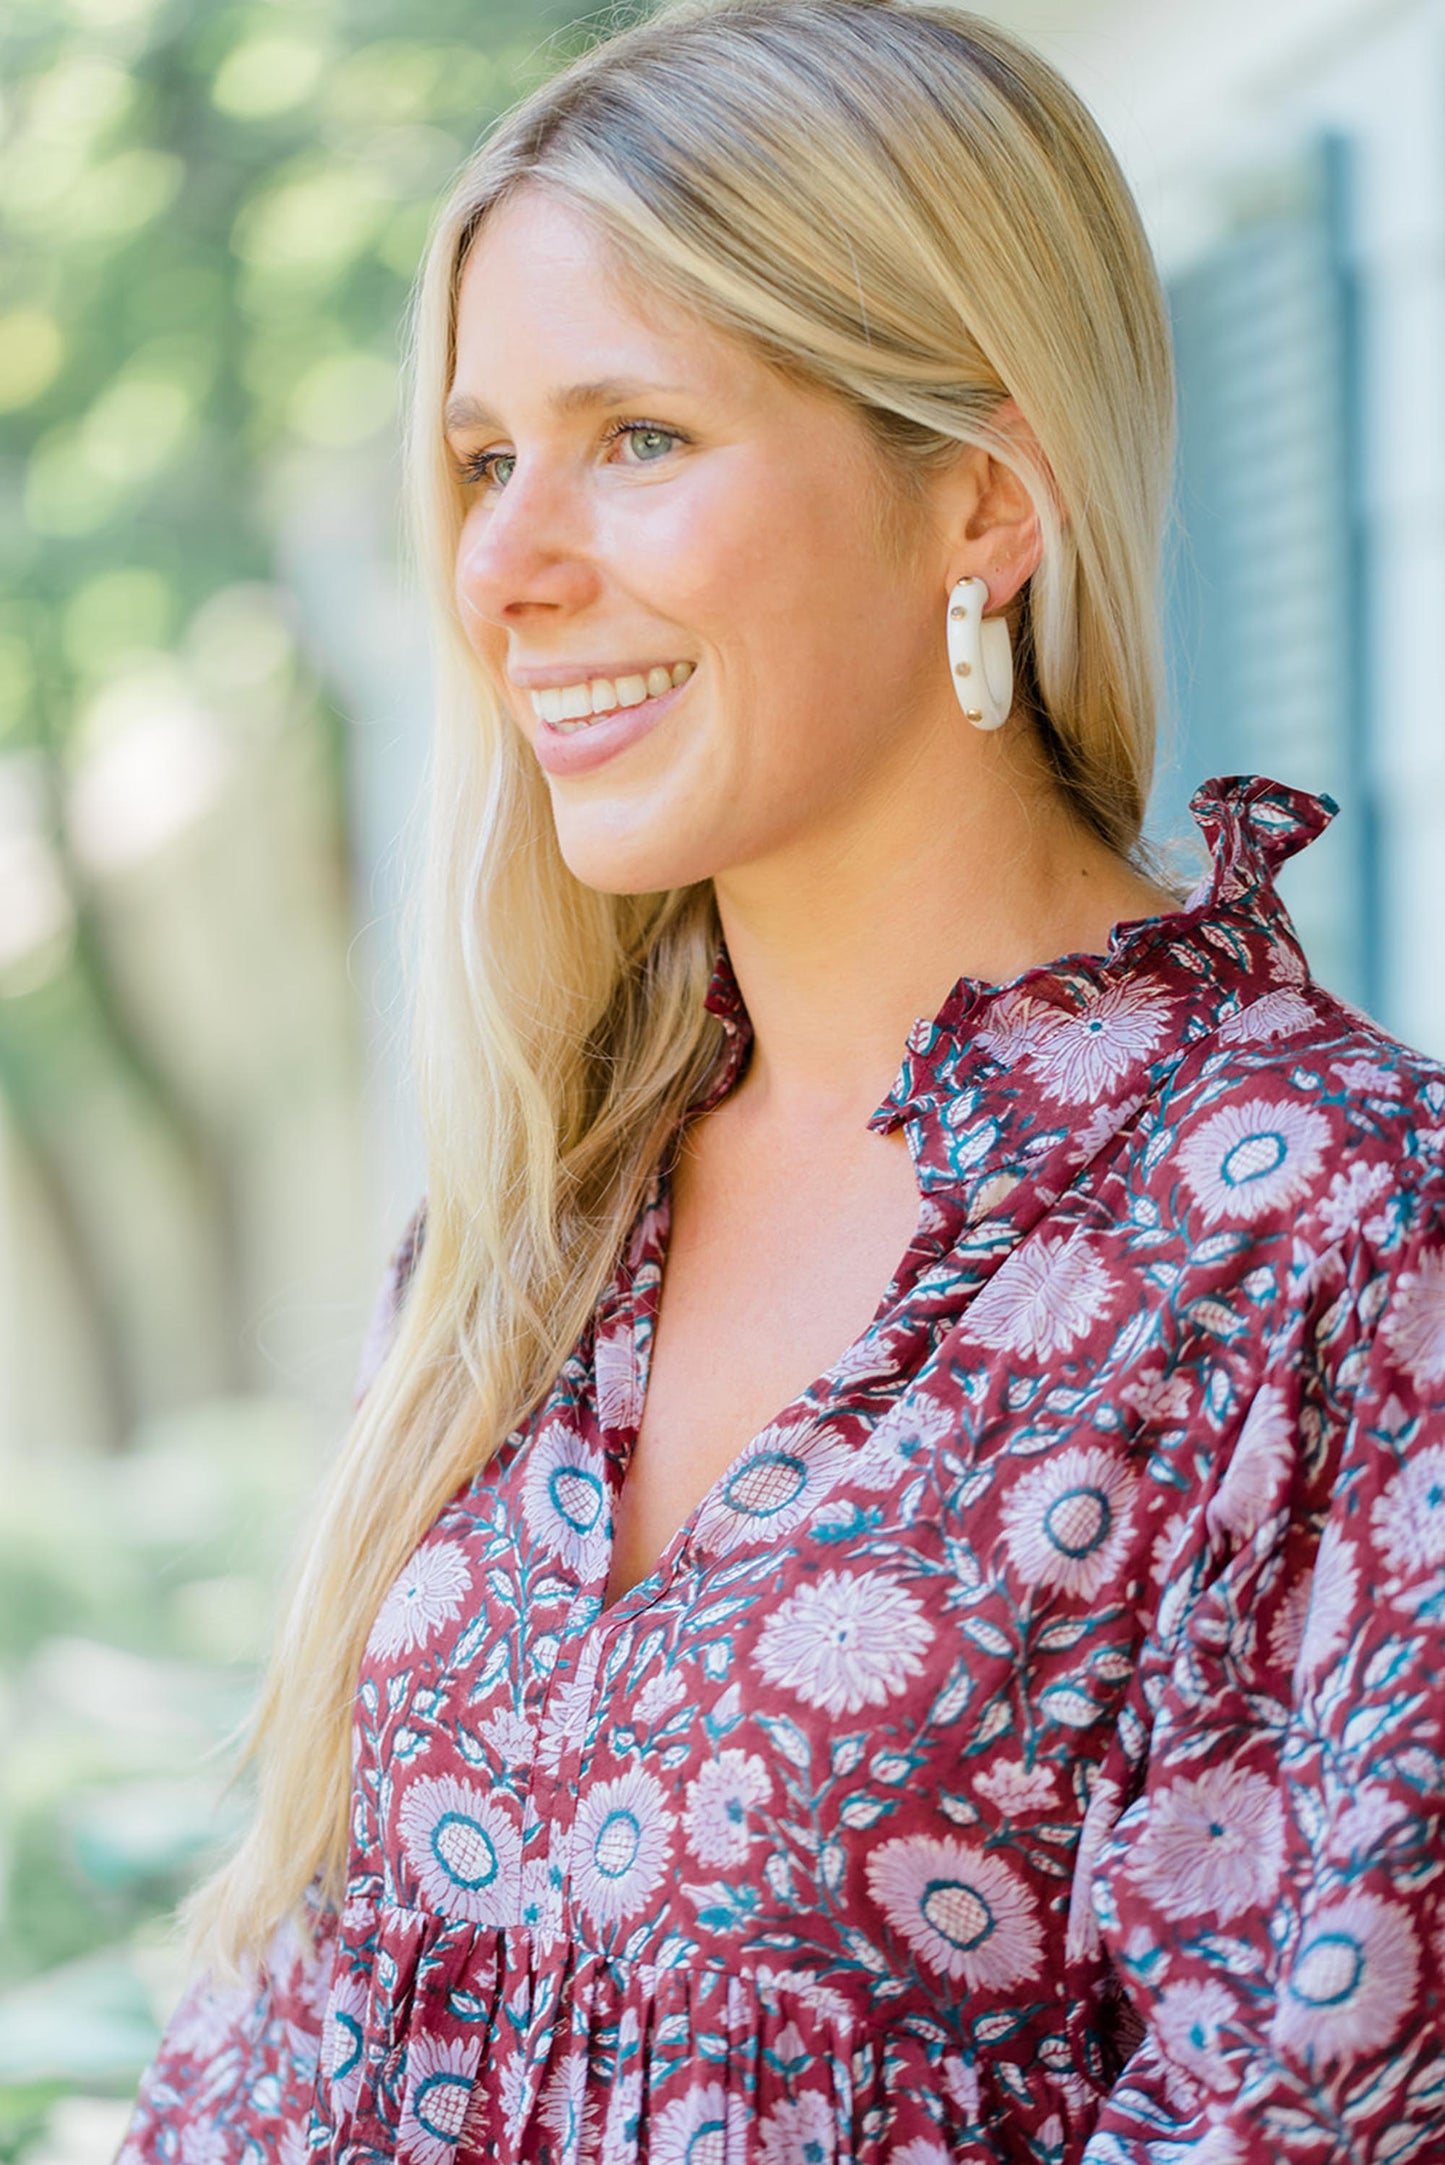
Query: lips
{"type": "Point", "coordinates": [578, 747]}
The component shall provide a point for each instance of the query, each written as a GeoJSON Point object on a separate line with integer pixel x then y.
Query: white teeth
{"type": "Point", "coordinates": [565, 706]}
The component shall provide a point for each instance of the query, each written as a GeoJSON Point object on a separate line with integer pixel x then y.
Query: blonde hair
{"type": "Point", "coordinates": [895, 201]}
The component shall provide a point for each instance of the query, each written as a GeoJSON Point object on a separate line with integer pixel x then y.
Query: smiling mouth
{"type": "Point", "coordinates": [569, 707]}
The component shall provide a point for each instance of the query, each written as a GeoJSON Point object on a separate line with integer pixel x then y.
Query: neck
{"type": "Point", "coordinates": [841, 945]}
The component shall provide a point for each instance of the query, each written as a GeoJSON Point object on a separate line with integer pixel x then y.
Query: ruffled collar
{"type": "Point", "coordinates": [1080, 1043]}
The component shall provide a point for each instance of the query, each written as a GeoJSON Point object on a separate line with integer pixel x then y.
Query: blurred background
{"type": "Point", "coordinates": [213, 702]}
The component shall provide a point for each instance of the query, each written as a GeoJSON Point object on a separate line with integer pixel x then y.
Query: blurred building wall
{"type": "Point", "coordinates": [1217, 111]}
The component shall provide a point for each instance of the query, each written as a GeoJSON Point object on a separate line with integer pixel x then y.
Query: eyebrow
{"type": "Point", "coordinates": [464, 412]}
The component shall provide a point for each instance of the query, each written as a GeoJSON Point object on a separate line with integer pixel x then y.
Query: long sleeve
{"type": "Point", "coordinates": [1272, 1900]}
{"type": "Point", "coordinates": [235, 2074]}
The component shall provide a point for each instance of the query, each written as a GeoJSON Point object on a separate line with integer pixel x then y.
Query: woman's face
{"type": "Point", "coordinates": [676, 563]}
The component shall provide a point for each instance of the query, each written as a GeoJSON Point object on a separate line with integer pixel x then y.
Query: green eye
{"type": "Point", "coordinates": [646, 441]}
{"type": "Point", "coordinates": [489, 469]}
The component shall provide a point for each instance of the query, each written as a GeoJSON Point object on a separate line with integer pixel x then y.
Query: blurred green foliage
{"type": "Point", "coordinates": [210, 215]}
{"type": "Point", "coordinates": [135, 1597]}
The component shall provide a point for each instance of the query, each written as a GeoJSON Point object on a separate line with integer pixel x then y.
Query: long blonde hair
{"type": "Point", "coordinates": [900, 203]}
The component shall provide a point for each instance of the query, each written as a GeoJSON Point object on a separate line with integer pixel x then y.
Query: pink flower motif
{"type": "Point", "coordinates": [1212, 1846]}
{"type": "Point", "coordinates": [705, 2126]}
{"type": "Point", "coordinates": [919, 2150]}
{"type": "Point", "coordinates": [1104, 1122]}
{"type": "Point", "coordinates": [1167, 1546]}
{"type": "Point", "coordinates": [564, 1498]}
{"type": "Point", "coordinates": [1408, 1517]}
{"type": "Point", "coordinates": [1100, 1818]}
{"type": "Point", "coordinates": [912, 1428]}
{"type": "Point", "coordinates": [1012, 1026]}
{"type": "Point", "coordinates": [1287, 968]}
{"type": "Point", "coordinates": [342, 2038]}
{"type": "Point", "coordinates": [1252, 1158]}
{"type": "Point", "coordinates": [801, 2133]}
{"type": "Point", "coordinates": [1067, 1521]}
{"type": "Point", "coordinates": [618, 1402]}
{"type": "Point", "coordinates": [845, 1640]}
{"type": "Point", "coordinates": [803, 1985]}
{"type": "Point", "coordinates": [1286, 1633]}
{"type": "Point", "coordinates": [1370, 1078]}
{"type": "Point", "coordinates": [1256, 1480]}
{"type": "Point", "coordinates": [1334, 1592]}
{"type": "Point", "coordinates": [293, 2149]}
{"type": "Point", "coordinates": [1190, 2021]}
{"type": "Point", "coordinates": [1351, 1983]}
{"type": "Point", "coordinates": [514, 2093]}
{"type": "Point", "coordinates": [624, 2110]}
{"type": "Point", "coordinates": [440, 2072]}
{"type": "Point", "coordinates": [428, 1593]}
{"type": "Point", "coordinates": [1077, 1058]}
{"type": "Point", "coordinates": [718, 1803]}
{"type": "Point", "coordinates": [664, 1690]}
{"type": "Point", "coordinates": [620, 1845]}
{"type": "Point", "coordinates": [771, 1487]}
{"type": "Point", "coordinates": [566, 2109]}
{"type": "Point", "coordinates": [511, 1736]}
{"type": "Point", "coordinates": [1351, 1195]}
{"type": "Point", "coordinates": [462, 1845]}
{"type": "Point", "coordinates": [1367, 1822]}
{"type": "Point", "coordinates": [202, 2145]}
{"type": "Point", "coordinates": [1046, 1296]}
{"type": "Point", "coordinates": [1413, 1326]}
{"type": "Point", "coordinates": [1272, 1016]}
{"type": "Point", "coordinates": [962, 1910]}
{"type": "Point", "coordinates": [1017, 1789]}
{"type": "Point", "coordinates": [207, 2017]}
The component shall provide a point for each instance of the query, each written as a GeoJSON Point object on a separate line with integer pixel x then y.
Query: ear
{"type": "Point", "coordinates": [989, 515]}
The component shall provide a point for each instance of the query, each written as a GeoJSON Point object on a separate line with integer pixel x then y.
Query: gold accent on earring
{"type": "Point", "coordinates": [963, 669]}
{"type": "Point", "coordinates": [973, 714]}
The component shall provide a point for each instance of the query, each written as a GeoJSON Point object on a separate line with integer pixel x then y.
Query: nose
{"type": "Point", "coordinates": [523, 552]}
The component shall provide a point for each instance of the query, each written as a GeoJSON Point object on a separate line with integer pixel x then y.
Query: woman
{"type": "Point", "coordinates": [727, 1714]}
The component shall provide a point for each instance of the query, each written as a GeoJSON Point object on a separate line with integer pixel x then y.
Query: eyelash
{"type": "Point", "coordinates": [477, 470]}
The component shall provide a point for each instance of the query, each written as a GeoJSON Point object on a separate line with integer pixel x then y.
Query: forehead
{"type": "Point", "coordinates": [543, 290]}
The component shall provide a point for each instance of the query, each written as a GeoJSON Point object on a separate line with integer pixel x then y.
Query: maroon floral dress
{"type": "Point", "coordinates": [1031, 1748]}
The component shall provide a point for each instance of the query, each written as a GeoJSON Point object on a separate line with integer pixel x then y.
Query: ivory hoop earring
{"type": "Point", "coordinates": [980, 657]}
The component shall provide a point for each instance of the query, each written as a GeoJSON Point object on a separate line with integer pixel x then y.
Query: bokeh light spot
{"type": "Point", "coordinates": [311, 225]}
{"type": "Point", "coordinates": [118, 615]}
{"type": "Point", "coordinates": [344, 399]}
{"type": "Point", "coordinates": [267, 75]}
{"type": "Point", "coordinates": [31, 351]}
{"type": "Point", "coordinates": [123, 194]}
{"type": "Point", "coordinates": [240, 639]}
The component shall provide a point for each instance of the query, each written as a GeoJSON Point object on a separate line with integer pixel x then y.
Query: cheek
{"type": "Point", "coordinates": [739, 545]}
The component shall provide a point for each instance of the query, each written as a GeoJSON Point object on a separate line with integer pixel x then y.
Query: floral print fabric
{"type": "Point", "coordinates": [1031, 1749]}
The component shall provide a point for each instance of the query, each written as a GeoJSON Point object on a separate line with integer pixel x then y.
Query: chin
{"type": "Point", "coordinates": [617, 858]}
